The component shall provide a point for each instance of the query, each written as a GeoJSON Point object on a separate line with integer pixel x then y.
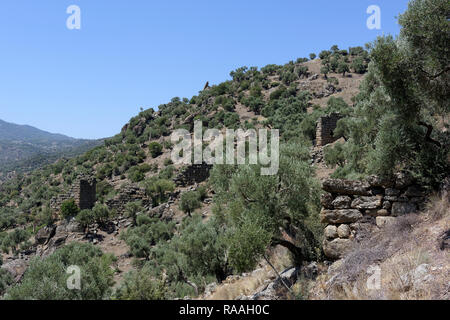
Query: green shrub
{"type": "Point", "coordinates": [190, 201]}
{"type": "Point", "coordinates": [155, 149]}
{"type": "Point", "coordinates": [85, 218]}
{"type": "Point", "coordinates": [46, 279]}
{"type": "Point", "coordinates": [69, 209]}
{"type": "Point", "coordinates": [6, 280]}
{"type": "Point", "coordinates": [157, 189]}
{"type": "Point", "coordinates": [343, 68]}
{"type": "Point", "coordinates": [132, 209]}
{"type": "Point", "coordinates": [141, 285]}
{"type": "Point", "coordinates": [101, 213]}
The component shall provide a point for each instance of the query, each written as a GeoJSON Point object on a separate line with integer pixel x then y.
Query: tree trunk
{"type": "Point", "coordinates": [296, 251]}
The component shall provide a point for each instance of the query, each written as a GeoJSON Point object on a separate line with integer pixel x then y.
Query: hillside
{"type": "Point", "coordinates": [128, 160]}
{"type": "Point", "coordinates": [140, 226]}
{"type": "Point", "coordinates": [24, 148]}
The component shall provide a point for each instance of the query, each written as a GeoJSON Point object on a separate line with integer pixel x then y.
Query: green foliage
{"type": "Point", "coordinates": [256, 104]}
{"type": "Point", "coordinates": [141, 285]}
{"type": "Point", "coordinates": [69, 209]}
{"type": "Point", "coordinates": [334, 156]}
{"type": "Point", "coordinates": [324, 54]}
{"type": "Point", "coordinates": [103, 189]}
{"type": "Point", "coordinates": [85, 218]}
{"type": "Point", "coordinates": [359, 66]}
{"type": "Point", "coordinates": [12, 241]}
{"type": "Point", "coordinates": [101, 213]}
{"type": "Point", "coordinates": [256, 208]}
{"type": "Point", "coordinates": [324, 70]}
{"type": "Point", "coordinates": [46, 279]}
{"type": "Point", "coordinates": [132, 209]}
{"type": "Point", "coordinates": [137, 173]}
{"type": "Point", "coordinates": [405, 93]}
{"type": "Point", "coordinates": [155, 149]}
{"type": "Point", "coordinates": [190, 201]}
{"type": "Point", "coordinates": [197, 255]}
{"type": "Point", "coordinates": [148, 232]}
{"type": "Point", "coordinates": [343, 68]}
{"type": "Point", "coordinates": [312, 56]}
{"type": "Point", "coordinates": [6, 280]}
{"type": "Point", "coordinates": [8, 218]}
{"type": "Point", "coordinates": [157, 189]}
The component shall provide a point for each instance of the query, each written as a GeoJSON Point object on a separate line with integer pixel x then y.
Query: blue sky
{"type": "Point", "coordinates": [88, 83]}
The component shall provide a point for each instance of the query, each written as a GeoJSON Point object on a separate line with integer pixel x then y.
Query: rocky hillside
{"type": "Point", "coordinates": [141, 227]}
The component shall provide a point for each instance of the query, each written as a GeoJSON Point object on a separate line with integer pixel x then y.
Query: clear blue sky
{"type": "Point", "coordinates": [88, 83]}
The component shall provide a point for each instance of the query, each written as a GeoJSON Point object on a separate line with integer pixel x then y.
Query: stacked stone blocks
{"type": "Point", "coordinates": [346, 203]}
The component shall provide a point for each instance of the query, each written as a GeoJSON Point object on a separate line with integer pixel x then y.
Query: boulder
{"type": "Point", "coordinates": [414, 191]}
{"type": "Point", "coordinates": [384, 221]}
{"type": "Point", "coordinates": [347, 187]}
{"type": "Point", "coordinates": [270, 292]}
{"type": "Point", "coordinates": [44, 234]}
{"type": "Point", "coordinates": [402, 180]}
{"type": "Point", "coordinates": [16, 268]}
{"type": "Point", "coordinates": [382, 212]}
{"type": "Point", "coordinates": [386, 205]}
{"type": "Point", "coordinates": [376, 181]}
{"type": "Point", "coordinates": [340, 216]}
{"type": "Point", "coordinates": [336, 248]}
{"type": "Point", "coordinates": [343, 231]}
{"type": "Point", "coordinates": [326, 200]}
{"type": "Point", "coordinates": [342, 202]}
{"type": "Point", "coordinates": [331, 232]}
{"type": "Point", "coordinates": [74, 226]}
{"type": "Point", "coordinates": [401, 208]}
{"type": "Point", "coordinates": [289, 276]}
{"type": "Point", "coordinates": [310, 271]}
{"type": "Point", "coordinates": [372, 202]}
{"type": "Point", "coordinates": [415, 278]}
{"type": "Point", "coordinates": [392, 192]}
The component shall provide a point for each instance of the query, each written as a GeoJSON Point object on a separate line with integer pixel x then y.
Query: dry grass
{"type": "Point", "coordinates": [248, 284]}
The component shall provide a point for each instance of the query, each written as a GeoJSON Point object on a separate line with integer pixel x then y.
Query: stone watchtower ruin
{"type": "Point", "coordinates": [83, 191]}
{"type": "Point", "coordinates": [325, 128]}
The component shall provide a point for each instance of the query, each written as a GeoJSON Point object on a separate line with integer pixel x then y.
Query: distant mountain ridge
{"type": "Point", "coordinates": [24, 148]}
{"type": "Point", "coordinates": [15, 132]}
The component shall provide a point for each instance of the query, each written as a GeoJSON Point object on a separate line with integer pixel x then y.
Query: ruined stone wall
{"type": "Point", "coordinates": [350, 208]}
{"type": "Point", "coordinates": [83, 191]}
{"type": "Point", "coordinates": [193, 174]}
{"type": "Point", "coordinates": [129, 193]}
{"type": "Point", "coordinates": [325, 128]}
{"type": "Point", "coordinates": [86, 193]}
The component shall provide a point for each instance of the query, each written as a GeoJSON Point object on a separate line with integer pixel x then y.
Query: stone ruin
{"type": "Point", "coordinates": [352, 208]}
{"type": "Point", "coordinates": [193, 174]}
{"type": "Point", "coordinates": [325, 128]}
{"type": "Point", "coordinates": [83, 191]}
{"type": "Point", "coordinates": [129, 193]}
